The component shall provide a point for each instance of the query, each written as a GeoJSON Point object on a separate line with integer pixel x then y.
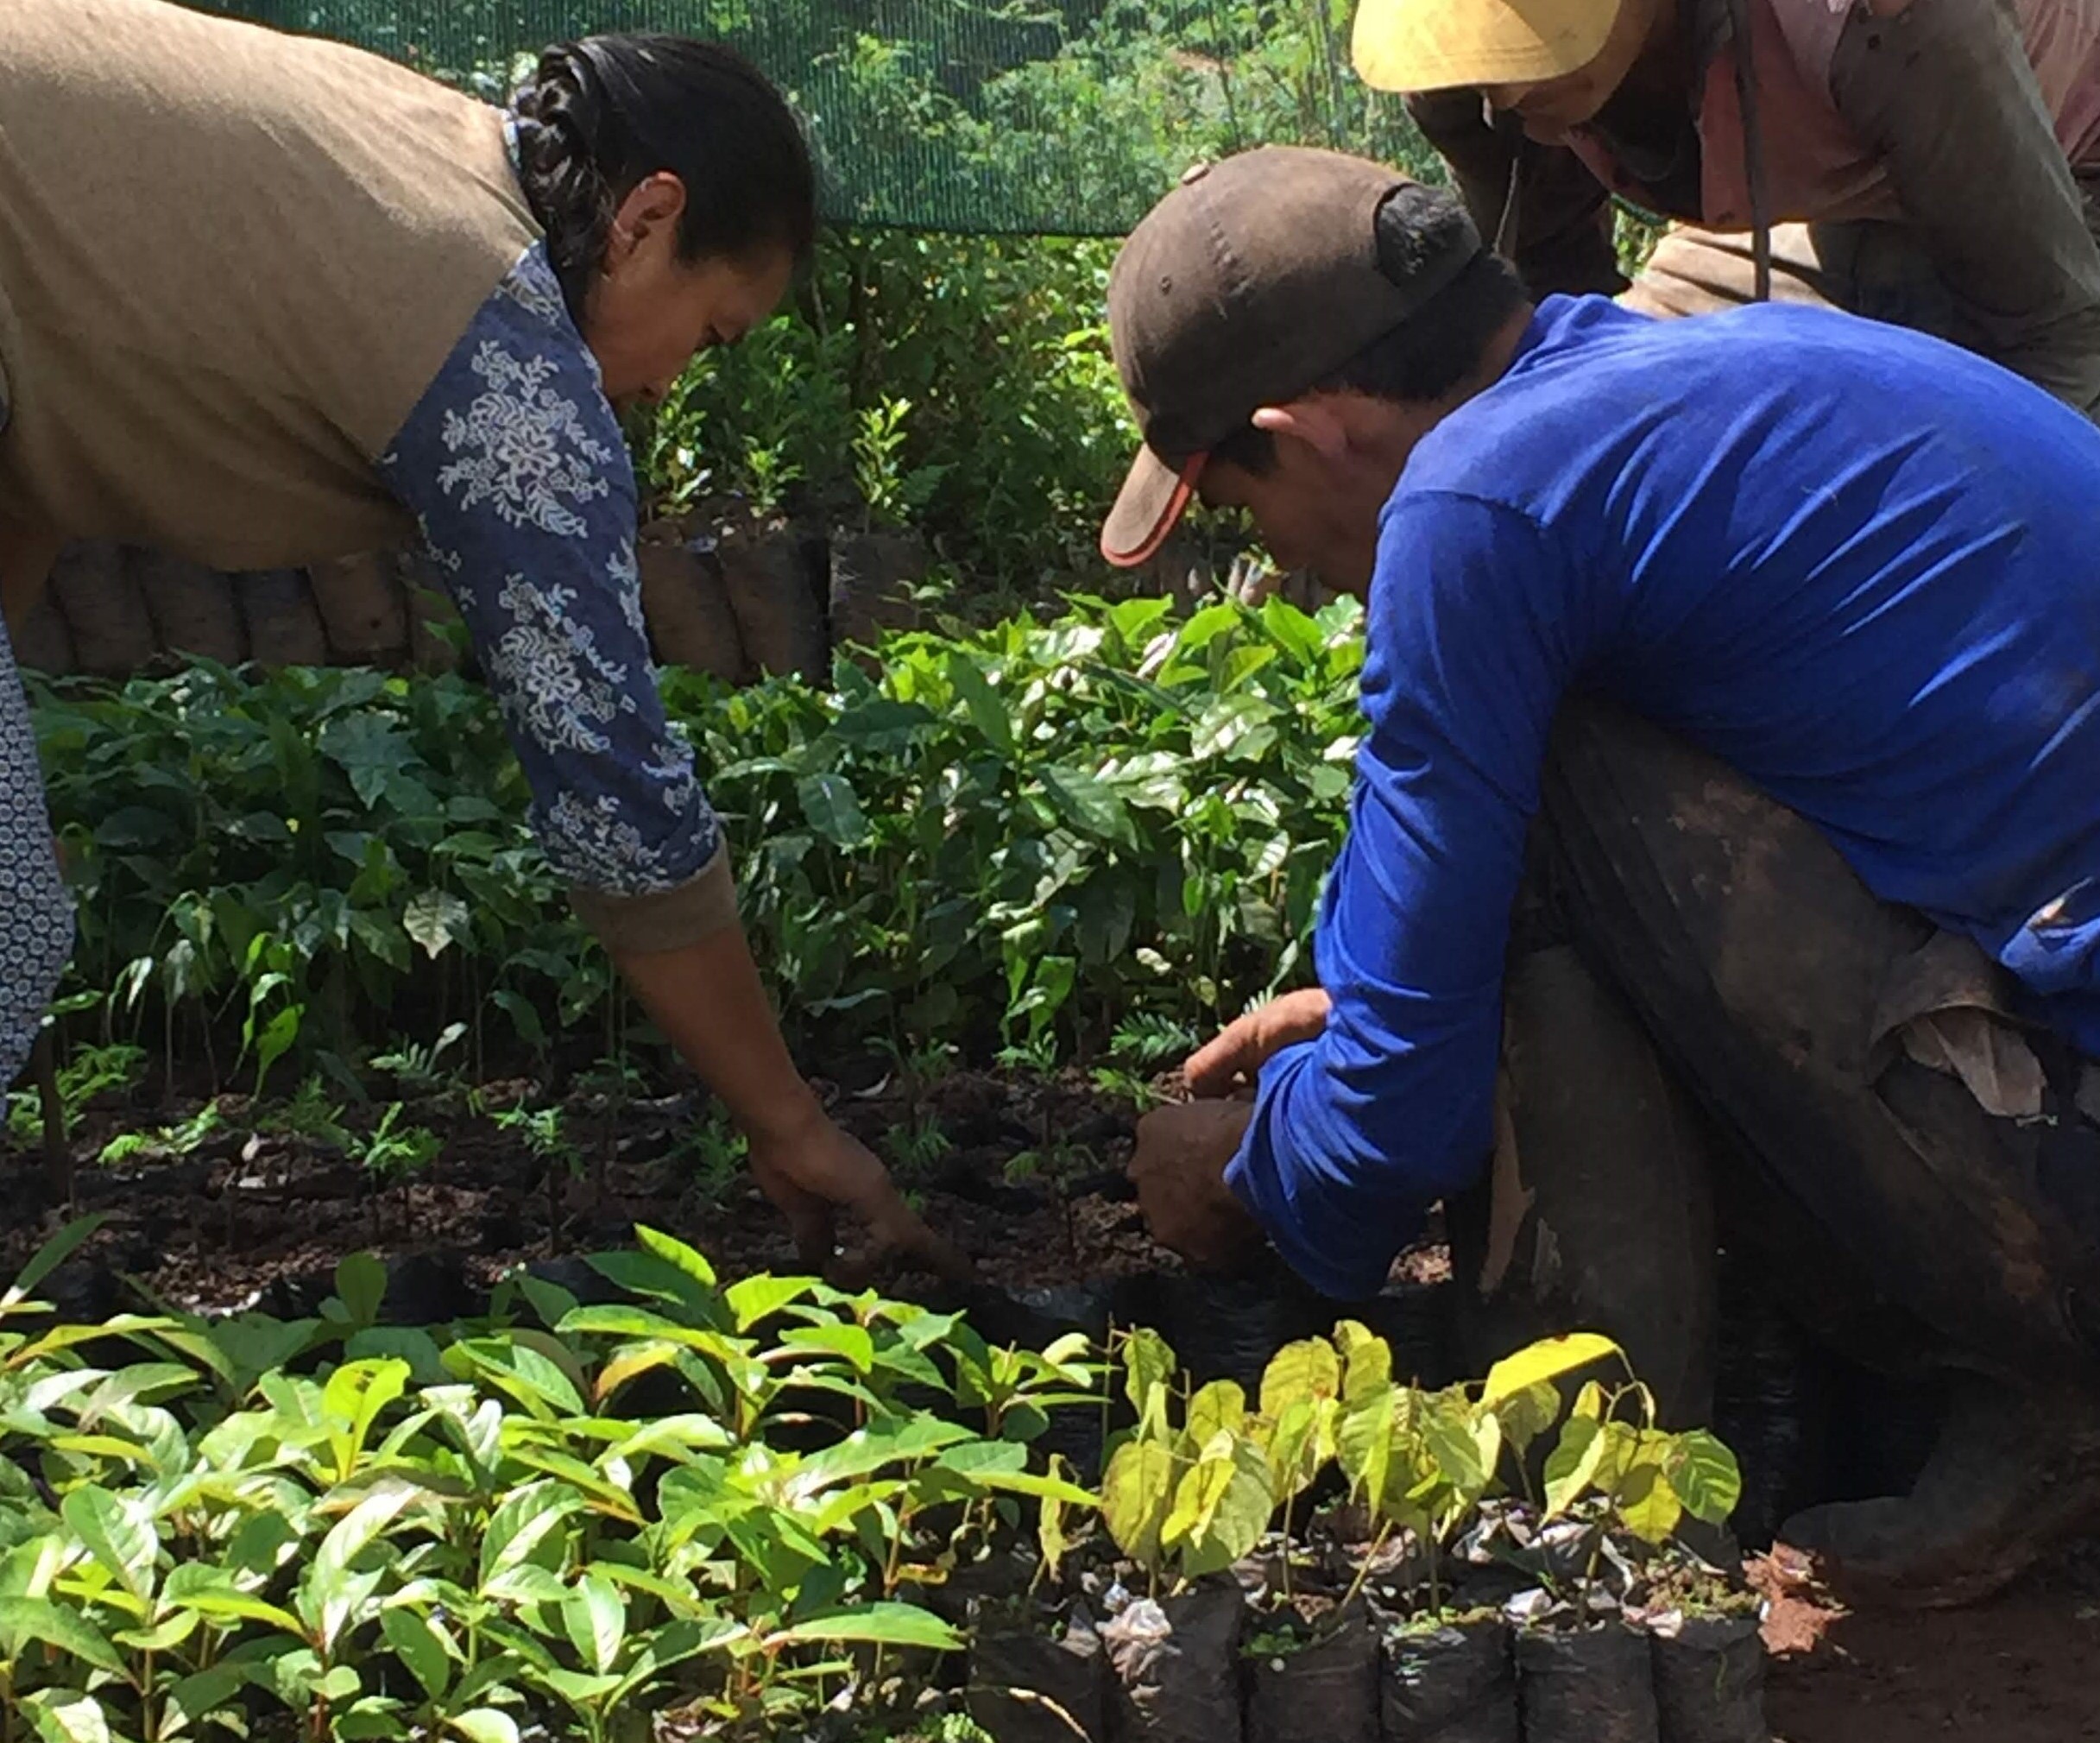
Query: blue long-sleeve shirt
{"type": "Point", "coordinates": [1860, 567]}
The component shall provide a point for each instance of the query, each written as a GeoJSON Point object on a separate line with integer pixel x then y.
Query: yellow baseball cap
{"type": "Point", "coordinates": [1438, 45]}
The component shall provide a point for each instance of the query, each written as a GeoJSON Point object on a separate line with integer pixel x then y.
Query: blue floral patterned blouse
{"type": "Point", "coordinates": [514, 464]}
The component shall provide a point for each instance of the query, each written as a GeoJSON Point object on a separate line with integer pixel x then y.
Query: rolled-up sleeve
{"type": "Point", "coordinates": [513, 465]}
{"type": "Point", "coordinates": [1471, 635]}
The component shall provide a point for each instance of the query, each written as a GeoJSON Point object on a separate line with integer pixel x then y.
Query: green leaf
{"type": "Point", "coordinates": [1546, 1360]}
{"type": "Point", "coordinates": [1367, 1360]}
{"type": "Point", "coordinates": [833, 809]}
{"type": "Point", "coordinates": [595, 1617]}
{"type": "Point", "coordinates": [1574, 1463]}
{"type": "Point", "coordinates": [420, 1645]}
{"type": "Point", "coordinates": [987, 713]}
{"type": "Point", "coordinates": [756, 1298]}
{"type": "Point", "coordinates": [63, 1715]}
{"type": "Point", "coordinates": [872, 1624]}
{"type": "Point", "coordinates": [1148, 1368]}
{"type": "Point", "coordinates": [521, 1521]}
{"type": "Point", "coordinates": [1218, 1408]}
{"type": "Point", "coordinates": [850, 1342]}
{"type": "Point", "coordinates": [1364, 1446]}
{"type": "Point", "coordinates": [437, 920]}
{"type": "Point", "coordinates": [354, 1395]}
{"type": "Point", "coordinates": [228, 1605]}
{"type": "Point", "coordinates": [48, 1257]}
{"type": "Point", "coordinates": [675, 1252]}
{"type": "Point", "coordinates": [514, 1366]}
{"type": "Point", "coordinates": [1137, 1494]}
{"type": "Point", "coordinates": [1298, 1373]}
{"type": "Point", "coordinates": [117, 1531]}
{"type": "Point", "coordinates": [1088, 803]}
{"type": "Point", "coordinates": [361, 1286]}
{"type": "Point", "coordinates": [484, 1725]}
{"type": "Point", "coordinates": [1647, 1507]}
{"type": "Point", "coordinates": [1704, 1476]}
{"type": "Point", "coordinates": [24, 1620]}
{"type": "Point", "coordinates": [1528, 1412]}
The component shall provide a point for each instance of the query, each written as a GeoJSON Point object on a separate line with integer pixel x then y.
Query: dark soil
{"type": "Point", "coordinates": [246, 1212]}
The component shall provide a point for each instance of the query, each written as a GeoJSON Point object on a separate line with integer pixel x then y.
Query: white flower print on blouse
{"type": "Point", "coordinates": [513, 465]}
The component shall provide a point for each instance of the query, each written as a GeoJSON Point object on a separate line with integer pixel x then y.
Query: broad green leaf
{"type": "Point", "coordinates": [437, 920]}
{"type": "Point", "coordinates": [1087, 802]}
{"type": "Point", "coordinates": [64, 1715]}
{"type": "Point", "coordinates": [1367, 1360]}
{"type": "Point", "coordinates": [484, 1725]}
{"type": "Point", "coordinates": [833, 809]}
{"type": "Point", "coordinates": [1237, 1522]}
{"type": "Point", "coordinates": [514, 1366]}
{"type": "Point", "coordinates": [850, 1342]}
{"type": "Point", "coordinates": [753, 1299]}
{"type": "Point", "coordinates": [24, 1620]}
{"type": "Point", "coordinates": [1704, 1476]}
{"type": "Point", "coordinates": [354, 1395]}
{"type": "Point", "coordinates": [1447, 1437]}
{"type": "Point", "coordinates": [420, 1645]}
{"type": "Point", "coordinates": [1574, 1463]}
{"type": "Point", "coordinates": [873, 1625]}
{"type": "Point", "coordinates": [1198, 1496]}
{"type": "Point", "coordinates": [674, 1252]}
{"type": "Point", "coordinates": [596, 1616]}
{"type": "Point", "coordinates": [117, 1531]}
{"type": "Point", "coordinates": [361, 1286]}
{"type": "Point", "coordinates": [1300, 1372]}
{"type": "Point", "coordinates": [354, 1533]}
{"type": "Point", "coordinates": [1546, 1360]}
{"type": "Point", "coordinates": [1647, 1507]}
{"type": "Point", "coordinates": [1148, 1371]}
{"type": "Point", "coordinates": [987, 713]}
{"type": "Point", "coordinates": [1364, 1447]}
{"type": "Point", "coordinates": [1528, 1412]}
{"type": "Point", "coordinates": [227, 1605]}
{"type": "Point", "coordinates": [520, 1522]}
{"type": "Point", "coordinates": [1218, 1408]}
{"type": "Point", "coordinates": [1137, 1494]}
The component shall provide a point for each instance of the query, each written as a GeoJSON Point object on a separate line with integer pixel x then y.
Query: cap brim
{"type": "Point", "coordinates": [1151, 501]}
{"type": "Point", "coordinates": [1440, 45]}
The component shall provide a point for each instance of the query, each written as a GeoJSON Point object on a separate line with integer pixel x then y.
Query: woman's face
{"type": "Point", "coordinates": [1551, 108]}
{"type": "Point", "coordinates": [648, 313]}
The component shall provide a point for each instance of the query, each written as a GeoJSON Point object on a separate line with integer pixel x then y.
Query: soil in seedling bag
{"type": "Point", "coordinates": [1026, 1686]}
{"type": "Point", "coordinates": [1453, 1684]}
{"type": "Point", "coordinates": [1176, 1665]}
{"type": "Point", "coordinates": [1587, 1685]}
{"type": "Point", "coordinates": [1710, 1682]}
{"type": "Point", "coordinates": [1324, 1692]}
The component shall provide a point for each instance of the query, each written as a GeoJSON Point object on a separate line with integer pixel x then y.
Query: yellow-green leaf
{"type": "Point", "coordinates": [1704, 1476]}
{"type": "Point", "coordinates": [1574, 1464]}
{"type": "Point", "coordinates": [1647, 1507]}
{"type": "Point", "coordinates": [1300, 1372]}
{"type": "Point", "coordinates": [1136, 1494]}
{"type": "Point", "coordinates": [1367, 1361]}
{"type": "Point", "coordinates": [1547, 1359]}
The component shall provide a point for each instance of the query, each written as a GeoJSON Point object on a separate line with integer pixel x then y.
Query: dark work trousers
{"type": "Point", "coordinates": [1693, 1051]}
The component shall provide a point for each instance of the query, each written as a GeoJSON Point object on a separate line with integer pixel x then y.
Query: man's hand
{"type": "Point", "coordinates": [1246, 1045]}
{"type": "Point", "coordinates": [813, 1173]}
{"type": "Point", "coordinates": [1179, 1171]}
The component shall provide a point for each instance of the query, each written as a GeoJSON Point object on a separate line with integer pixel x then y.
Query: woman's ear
{"type": "Point", "coordinates": [655, 203]}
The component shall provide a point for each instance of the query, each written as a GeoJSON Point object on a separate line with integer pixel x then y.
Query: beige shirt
{"type": "Point", "coordinates": [231, 262]}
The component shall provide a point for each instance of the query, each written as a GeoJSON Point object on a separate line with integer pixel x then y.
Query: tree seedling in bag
{"type": "Point", "coordinates": [1186, 1493]}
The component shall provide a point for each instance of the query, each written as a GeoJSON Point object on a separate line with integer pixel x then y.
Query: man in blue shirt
{"type": "Point", "coordinates": [1753, 665]}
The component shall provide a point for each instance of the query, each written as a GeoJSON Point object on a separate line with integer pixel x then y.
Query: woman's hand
{"type": "Point", "coordinates": [812, 1173]}
{"type": "Point", "coordinates": [1246, 1045]}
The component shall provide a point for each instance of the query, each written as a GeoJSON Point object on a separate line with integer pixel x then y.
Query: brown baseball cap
{"type": "Point", "coordinates": [1257, 277]}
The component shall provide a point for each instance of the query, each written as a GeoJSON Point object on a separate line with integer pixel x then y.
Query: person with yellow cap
{"type": "Point", "coordinates": [1724, 858]}
{"type": "Point", "coordinates": [1935, 163]}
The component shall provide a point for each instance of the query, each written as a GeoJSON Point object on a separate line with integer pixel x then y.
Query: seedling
{"type": "Point", "coordinates": [415, 1065]}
